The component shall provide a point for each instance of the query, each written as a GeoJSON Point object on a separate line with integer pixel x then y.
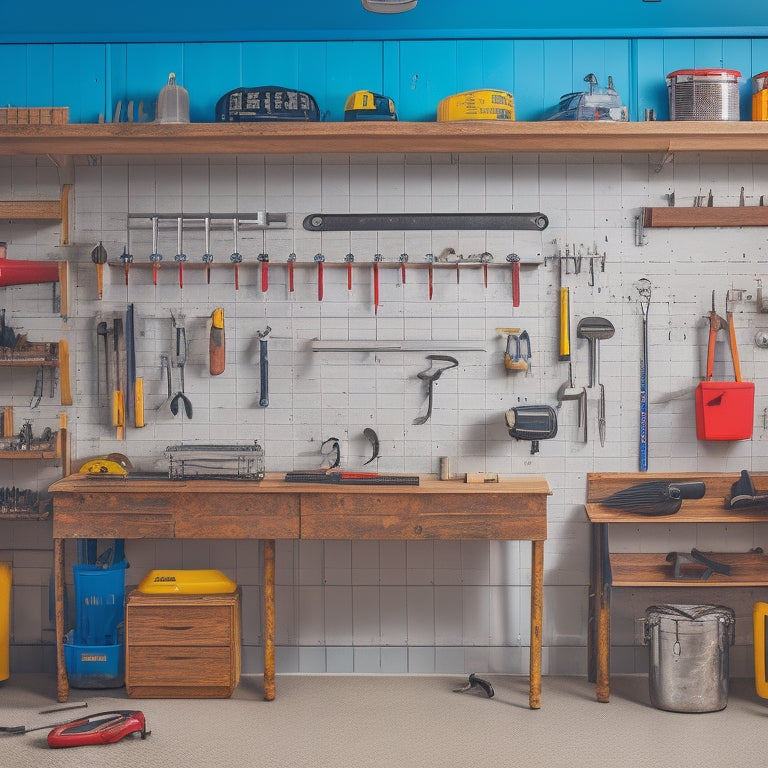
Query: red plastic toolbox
{"type": "Point", "coordinates": [725, 410]}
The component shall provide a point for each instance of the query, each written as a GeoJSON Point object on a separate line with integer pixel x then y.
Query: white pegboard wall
{"type": "Point", "coordinates": [316, 395]}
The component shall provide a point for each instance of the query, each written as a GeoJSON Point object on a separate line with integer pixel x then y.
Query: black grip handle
{"type": "Point", "coordinates": [692, 490]}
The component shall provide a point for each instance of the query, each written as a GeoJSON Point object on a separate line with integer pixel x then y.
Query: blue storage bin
{"type": "Point", "coordinates": [94, 666]}
{"type": "Point", "coordinates": [99, 603]}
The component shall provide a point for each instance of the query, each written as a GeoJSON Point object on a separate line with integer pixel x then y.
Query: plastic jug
{"type": "Point", "coordinates": [172, 103]}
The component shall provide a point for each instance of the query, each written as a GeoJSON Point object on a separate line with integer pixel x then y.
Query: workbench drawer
{"type": "Point", "coordinates": [179, 625]}
{"type": "Point", "coordinates": [182, 646]}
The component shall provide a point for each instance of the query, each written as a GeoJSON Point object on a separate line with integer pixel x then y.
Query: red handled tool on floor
{"type": "Point", "coordinates": [101, 728]}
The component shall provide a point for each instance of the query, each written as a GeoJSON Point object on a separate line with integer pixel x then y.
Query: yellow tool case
{"type": "Point", "coordinates": [186, 582]}
{"type": "Point", "coordinates": [477, 105]}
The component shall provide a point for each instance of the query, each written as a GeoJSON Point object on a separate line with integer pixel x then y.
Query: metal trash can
{"type": "Point", "coordinates": [703, 94]}
{"type": "Point", "coordinates": [688, 656]}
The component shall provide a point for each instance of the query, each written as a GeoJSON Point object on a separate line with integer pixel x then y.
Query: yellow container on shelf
{"type": "Point", "coordinates": [760, 96]}
{"type": "Point", "coordinates": [186, 582]}
{"type": "Point", "coordinates": [6, 571]}
{"type": "Point", "coordinates": [759, 626]}
{"type": "Point", "coordinates": [484, 104]}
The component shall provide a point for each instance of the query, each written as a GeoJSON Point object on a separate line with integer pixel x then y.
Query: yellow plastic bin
{"type": "Point", "coordinates": [5, 619]}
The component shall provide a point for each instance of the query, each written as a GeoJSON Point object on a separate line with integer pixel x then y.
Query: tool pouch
{"type": "Point", "coordinates": [266, 103]}
{"type": "Point", "coordinates": [532, 422]}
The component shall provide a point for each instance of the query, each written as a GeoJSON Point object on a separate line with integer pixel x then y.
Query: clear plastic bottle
{"type": "Point", "coordinates": [172, 103]}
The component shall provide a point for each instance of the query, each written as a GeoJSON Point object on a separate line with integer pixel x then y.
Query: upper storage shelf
{"type": "Point", "coordinates": [374, 137]}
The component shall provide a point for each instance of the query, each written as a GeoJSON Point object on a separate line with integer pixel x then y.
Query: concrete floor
{"type": "Point", "coordinates": [386, 722]}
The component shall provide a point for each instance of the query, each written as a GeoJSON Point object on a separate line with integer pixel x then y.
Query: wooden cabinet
{"type": "Point", "coordinates": [182, 646]}
{"type": "Point", "coordinates": [652, 569]}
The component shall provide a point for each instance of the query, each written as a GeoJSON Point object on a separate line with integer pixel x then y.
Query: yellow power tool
{"type": "Point", "coordinates": [113, 464]}
{"type": "Point", "coordinates": [366, 105]}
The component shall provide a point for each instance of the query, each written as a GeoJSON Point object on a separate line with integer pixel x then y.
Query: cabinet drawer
{"type": "Point", "coordinates": [180, 666]}
{"type": "Point", "coordinates": [188, 625]}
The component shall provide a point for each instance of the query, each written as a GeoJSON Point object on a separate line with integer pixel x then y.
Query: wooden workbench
{"type": "Point", "coordinates": [137, 508]}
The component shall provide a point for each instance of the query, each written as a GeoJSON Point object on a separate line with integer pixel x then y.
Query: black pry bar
{"type": "Point", "coordinates": [264, 367]}
{"type": "Point", "coordinates": [474, 683]}
{"type": "Point", "coordinates": [349, 222]}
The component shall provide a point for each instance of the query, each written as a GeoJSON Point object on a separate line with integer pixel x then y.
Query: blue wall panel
{"type": "Point", "coordinates": [429, 73]}
{"type": "Point", "coordinates": [91, 78]}
{"type": "Point", "coordinates": [351, 67]}
{"type": "Point", "coordinates": [79, 75]}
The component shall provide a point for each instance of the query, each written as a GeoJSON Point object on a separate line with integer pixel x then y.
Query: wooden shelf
{"type": "Point", "coordinates": [377, 138]}
{"type": "Point", "coordinates": [652, 570]}
{"type": "Point", "coordinates": [41, 210]}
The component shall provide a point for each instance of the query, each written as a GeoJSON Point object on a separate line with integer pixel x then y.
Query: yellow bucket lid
{"type": "Point", "coordinates": [186, 582]}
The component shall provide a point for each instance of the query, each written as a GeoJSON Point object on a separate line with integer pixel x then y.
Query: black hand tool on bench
{"type": "Point", "coordinates": [696, 565]}
{"type": "Point", "coordinates": [743, 494]}
{"type": "Point", "coordinates": [658, 497]}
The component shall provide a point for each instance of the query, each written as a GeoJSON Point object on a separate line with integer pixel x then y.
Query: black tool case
{"type": "Point", "coordinates": [266, 103]}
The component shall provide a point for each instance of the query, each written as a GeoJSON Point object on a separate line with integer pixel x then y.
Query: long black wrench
{"type": "Point", "coordinates": [348, 222]}
{"type": "Point", "coordinates": [264, 367]}
{"type": "Point", "coordinates": [431, 375]}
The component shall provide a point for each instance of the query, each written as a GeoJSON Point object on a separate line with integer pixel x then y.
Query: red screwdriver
{"type": "Point", "coordinates": [291, 261]}
{"type": "Point", "coordinates": [376, 259]}
{"type": "Point", "coordinates": [155, 257]}
{"type": "Point", "coordinates": [430, 270]}
{"type": "Point", "coordinates": [514, 259]}
{"type": "Point", "coordinates": [235, 257]}
{"type": "Point", "coordinates": [180, 256]}
{"type": "Point", "coordinates": [264, 259]}
{"type": "Point", "coordinates": [348, 260]}
{"type": "Point", "coordinates": [403, 262]}
{"type": "Point", "coordinates": [319, 259]}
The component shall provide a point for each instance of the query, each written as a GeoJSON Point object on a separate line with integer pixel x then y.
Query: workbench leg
{"type": "Point", "coordinates": [537, 603]}
{"type": "Point", "coordinates": [269, 619]}
{"type": "Point", "coordinates": [62, 682]}
{"type": "Point", "coordinates": [602, 609]}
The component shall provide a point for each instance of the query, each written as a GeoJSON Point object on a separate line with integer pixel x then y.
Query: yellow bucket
{"type": "Point", "coordinates": [5, 619]}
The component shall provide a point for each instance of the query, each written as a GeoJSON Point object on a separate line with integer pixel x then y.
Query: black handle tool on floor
{"type": "Point", "coordinates": [476, 684]}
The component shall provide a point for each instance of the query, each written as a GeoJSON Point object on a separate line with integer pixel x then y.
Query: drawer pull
{"type": "Point", "coordinates": [178, 629]}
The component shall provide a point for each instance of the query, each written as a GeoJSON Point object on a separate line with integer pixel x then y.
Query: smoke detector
{"type": "Point", "coordinates": [389, 6]}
